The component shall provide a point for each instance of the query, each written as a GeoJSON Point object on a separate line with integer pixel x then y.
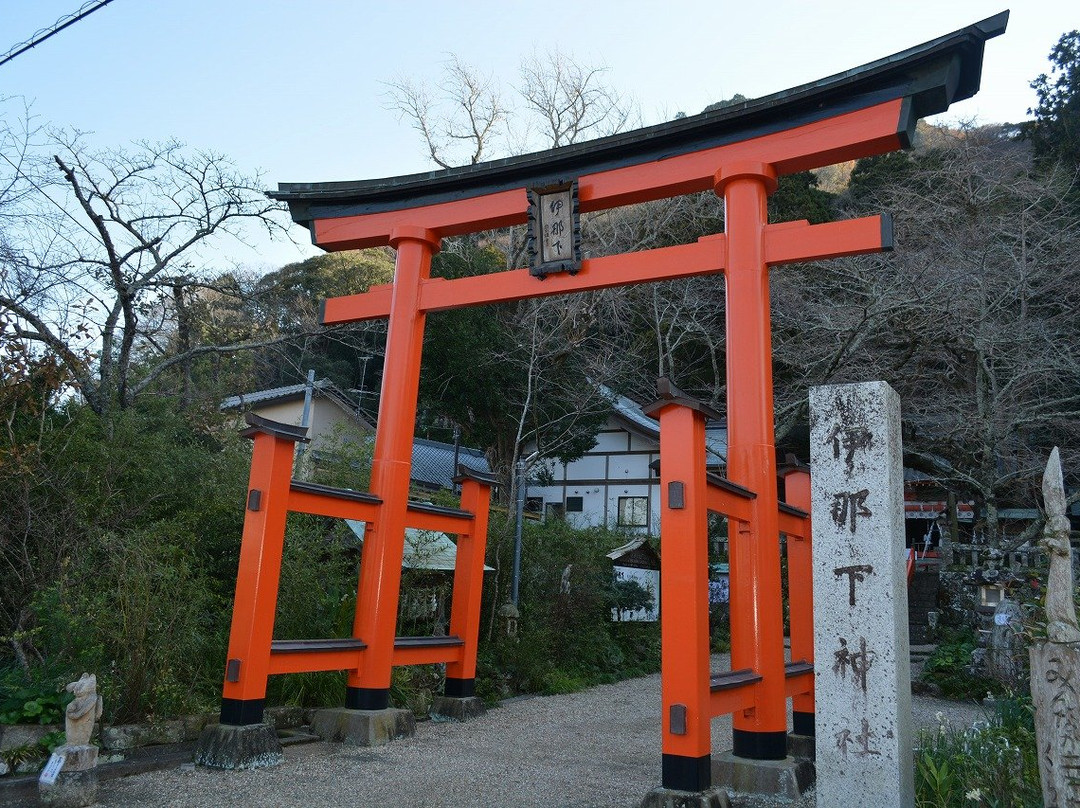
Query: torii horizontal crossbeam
{"type": "Point", "coordinates": [784, 244]}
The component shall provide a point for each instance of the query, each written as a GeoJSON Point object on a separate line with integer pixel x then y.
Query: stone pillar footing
{"type": "Point", "coordinates": [251, 746]}
{"type": "Point", "coordinates": [72, 789]}
{"type": "Point", "coordinates": [671, 798]}
{"type": "Point", "coordinates": [449, 708]}
{"type": "Point", "coordinates": [800, 746]}
{"type": "Point", "coordinates": [363, 727]}
{"type": "Point", "coordinates": [782, 780]}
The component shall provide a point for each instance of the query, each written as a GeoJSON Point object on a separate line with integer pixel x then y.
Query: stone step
{"type": "Point", "coordinates": [298, 736]}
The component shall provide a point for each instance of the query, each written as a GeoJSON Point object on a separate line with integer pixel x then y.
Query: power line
{"type": "Point", "coordinates": [84, 11]}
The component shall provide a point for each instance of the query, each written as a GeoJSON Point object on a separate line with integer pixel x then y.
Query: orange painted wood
{"type": "Point", "coordinates": [339, 659]}
{"type": "Point", "coordinates": [757, 640]}
{"type": "Point", "coordinates": [373, 304]}
{"type": "Point", "coordinates": [684, 581]}
{"type": "Point", "coordinates": [800, 586]}
{"type": "Point", "coordinates": [793, 526]}
{"type": "Point", "coordinates": [321, 505]}
{"type": "Point", "coordinates": [444, 219]}
{"type": "Point", "coordinates": [784, 243]}
{"type": "Point", "coordinates": [379, 585]}
{"type": "Point", "coordinates": [799, 688]}
{"type": "Point", "coordinates": [469, 579]}
{"type": "Point", "coordinates": [437, 294]}
{"type": "Point", "coordinates": [259, 569]}
{"type": "Point", "coordinates": [702, 257]}
{"type": "Point", "coordinates": [861, 133]}
{"type": "Point", "coordinates": [801, 241]}
{"type": "Point", "coordinates": [444, 522]}
{"type": "Point", "coordinates": [428, 655]}
{"type": "Point", "coordinates": [734, 700]}
{"type": "Point", "coordinates": [731, 505]}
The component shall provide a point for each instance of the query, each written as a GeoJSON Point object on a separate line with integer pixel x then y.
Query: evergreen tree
{"type": "Point", "coordinates": [1055, 132]}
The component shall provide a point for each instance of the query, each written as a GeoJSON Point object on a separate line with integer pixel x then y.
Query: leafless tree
{"type": "Point", "coordinates": [461, 122]}
{"type": "Point", "coordinates": [972, 319]}
{"type": "Point", "coordinates": [109, 249]}
{"type": "Point", "coordinates": [571, 100]}
{"type": "Point", "coordinates": [465, 118]}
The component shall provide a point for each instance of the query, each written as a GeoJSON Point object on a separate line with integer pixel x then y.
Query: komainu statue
{"type": "Point", "coordinates": [83, 711]}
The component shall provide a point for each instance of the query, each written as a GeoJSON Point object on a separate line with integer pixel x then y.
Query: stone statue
{"type": "Point", "coordinates": [1061, 625]}
{"type": "Point", "coordinates": [83, 711]}
{"type": "Point", "coordinates": [1055, 661]}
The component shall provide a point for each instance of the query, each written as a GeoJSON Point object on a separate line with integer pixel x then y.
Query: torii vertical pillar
{"type": "Point", "coordinates": [384, 543]}
{"type": "Point", "coordinates": [757, 621]}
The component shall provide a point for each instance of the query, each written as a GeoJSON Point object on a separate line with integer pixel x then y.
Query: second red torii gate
{"type": "Point", "coordinates": [739, 152]}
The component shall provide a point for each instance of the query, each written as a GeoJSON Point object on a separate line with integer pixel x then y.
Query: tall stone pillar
{"type": "Point", "coordinates": [862, 671]}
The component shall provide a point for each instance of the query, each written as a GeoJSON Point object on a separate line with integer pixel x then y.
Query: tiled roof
{"type": "Point", "coordinates": [630, 411]}
{"type": "Point", "coordinates": [323, 388]}
{"type": "Point", "coordinates": [433, 462]}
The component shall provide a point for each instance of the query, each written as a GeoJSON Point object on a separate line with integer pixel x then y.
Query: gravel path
{"type": "Point", "coordinates": [597, 748]}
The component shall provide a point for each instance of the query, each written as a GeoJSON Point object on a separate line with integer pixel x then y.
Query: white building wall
{"type": "Point", "coordinates": [616, 466]}
{"type": "Point", "coordinates": [628, 467]}
{"type": "Point", "coordinates": [612, 441]}
{"type": "Point", "coordinates": [589, 467]}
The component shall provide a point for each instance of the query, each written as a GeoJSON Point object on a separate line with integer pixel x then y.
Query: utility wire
{"type": "Point", "coordinates": [84, 11]}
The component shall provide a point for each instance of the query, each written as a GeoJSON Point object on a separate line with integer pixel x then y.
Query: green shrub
{"type": "Point", "coordinates": [949, 667]}
{"type": "Point", "coordinates": [30, 702]}
{"type": "Point", "coordinates": [991, 765]}
{"type": "Point", "coordinates": [136, 609]}
{"type": "Point", "coordinates": [316, 598]}
{"type": "Point", "coordinates": [135, 529]}
{"type": "Point", "coordinates": [566, 637]}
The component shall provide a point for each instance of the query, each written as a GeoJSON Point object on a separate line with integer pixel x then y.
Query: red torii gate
{"type": "Point", "coordinates": [739, 152]}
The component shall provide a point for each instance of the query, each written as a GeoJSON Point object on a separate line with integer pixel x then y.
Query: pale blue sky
{"type": "Point", "coordinates": [297, 88]}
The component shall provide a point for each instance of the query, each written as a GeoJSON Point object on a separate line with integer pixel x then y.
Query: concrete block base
{"type": "Point", "coordinates": [781, 780]}
{"type": "Point", "coordinates": [448, 708]}
{"type": "Point", "coordinates": [72, 789]}
{"type": "Point", "coordinates": [670, 798]}
{"type": "Point", "coordinates": [800, 746]}
{"type": "Point", "coordinates": [363, 727]}
{"type": "Point", "coordinates": [252, 746]}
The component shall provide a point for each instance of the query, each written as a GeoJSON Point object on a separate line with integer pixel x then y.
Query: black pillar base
{"type": "Point", "coordinates": [681, 773]}
{"type": "Point", "coordinates": [759, 745]}
{"type": "Point", "coordinates": [242, 712]}
{"type": "Point", "coordinates": [802, 724]}
{"type": "Point", "coordinates": [459, 688]}
{"type": "Point", "coordinates": [367, 698]}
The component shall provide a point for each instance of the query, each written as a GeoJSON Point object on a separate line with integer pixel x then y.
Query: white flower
{"type": "Point", "coordinates": [974, 795]}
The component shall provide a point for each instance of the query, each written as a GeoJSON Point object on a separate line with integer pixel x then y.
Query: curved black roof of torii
{"type": "Point", "coordinates": [929, 77]}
